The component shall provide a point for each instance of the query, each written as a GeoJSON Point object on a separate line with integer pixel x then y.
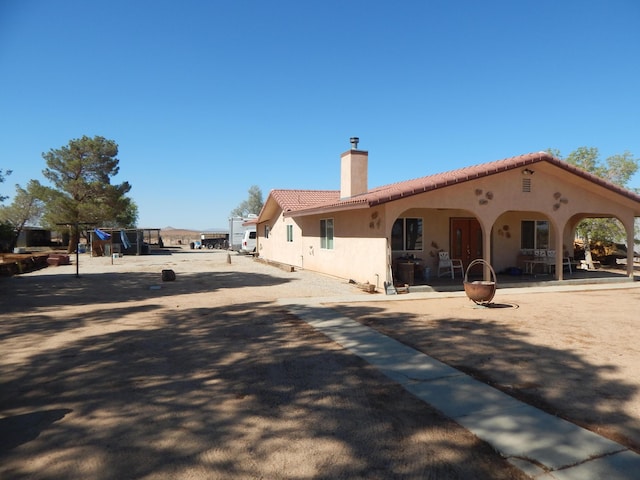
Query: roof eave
{"type": "Point", "coordinates": [326, 209]}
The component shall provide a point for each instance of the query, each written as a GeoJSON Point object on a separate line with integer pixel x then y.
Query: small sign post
{"type": "Point", "coordinates": [76, 226]}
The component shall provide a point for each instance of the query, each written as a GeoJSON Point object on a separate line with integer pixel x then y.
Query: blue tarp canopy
{"type": "Point", "coordinates": [102, 235]}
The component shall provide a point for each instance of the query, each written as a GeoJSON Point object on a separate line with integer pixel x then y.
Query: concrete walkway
{"type": "Point", "coordinates": [540, 444]}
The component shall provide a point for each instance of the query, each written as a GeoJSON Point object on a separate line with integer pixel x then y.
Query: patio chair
{"type": "Point", "coordinates": [551, 258]}
{"type": "Point", "coordinates": [448, 265]}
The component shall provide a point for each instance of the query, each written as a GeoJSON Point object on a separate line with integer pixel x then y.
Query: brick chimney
{"type": "Point", "coordinates": [353, 171]}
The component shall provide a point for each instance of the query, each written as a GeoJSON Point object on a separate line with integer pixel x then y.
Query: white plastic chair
{"type": "Point", "coordinates": [551, 261]}
{"type": "Point", "coordinates": [551, 258]}
{"type": "Point", "coordinates": [448, 265]}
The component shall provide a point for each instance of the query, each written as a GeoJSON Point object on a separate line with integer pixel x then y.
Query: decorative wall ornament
{"type": "Point", "coordinates": [504, 231]}
{"type": "Point", "coordinates": [487, 196]}
{"type": "Point", "coordinates": [375, 221]}
{"type": "Point", "coordinates": [559, 200]}
{"type": "Point", "coordinates": [435, 250]}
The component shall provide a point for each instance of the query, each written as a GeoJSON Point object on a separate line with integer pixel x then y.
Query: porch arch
{"type": "Point", "coordinates": [514, 242]}
{"type": "Point", "coordinates": [436, 236]}
{"type": "Point", "coordinates": [628, 225]}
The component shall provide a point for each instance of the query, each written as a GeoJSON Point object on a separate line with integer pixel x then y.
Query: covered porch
{"type": "Point", "coordinates": [521, 246]}
{"type": "Point", "coordinates": [520, 215]}
{"type": "Point", "coordinates": [605, 274]}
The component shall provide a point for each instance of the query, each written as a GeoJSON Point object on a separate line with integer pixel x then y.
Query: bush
{"type": "Point", "coordinates": [6, 237]}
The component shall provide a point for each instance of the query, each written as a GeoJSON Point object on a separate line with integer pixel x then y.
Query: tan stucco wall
{"type": "Point", "coordinates": [276, 247]}
{"type": "Point", "coordinates": [359, 245]}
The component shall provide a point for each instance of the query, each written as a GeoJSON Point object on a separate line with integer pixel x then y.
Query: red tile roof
{"type": "Point", "coordinates": [294, 200]}
{"type": "Point", "coordinates": [315, 201]}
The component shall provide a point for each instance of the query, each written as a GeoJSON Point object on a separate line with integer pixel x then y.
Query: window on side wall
{"type": "Point", "coordinates": [289, 233]}
{"type": "Point", "coordinates": [406, 234]}
{"type": "Point", "coordinates": [326, 233]}
{"type": "Point", "coordinates": [266, 231]}
{"type": "Point", "coordinates": [534, 235]}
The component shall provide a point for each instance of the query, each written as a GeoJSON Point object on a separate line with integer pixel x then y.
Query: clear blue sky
{"type": "Point", "coordinates": [207, 98]}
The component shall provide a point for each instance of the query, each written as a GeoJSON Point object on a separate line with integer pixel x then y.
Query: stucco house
{"type": "Point", "coordinates": [503, 212]}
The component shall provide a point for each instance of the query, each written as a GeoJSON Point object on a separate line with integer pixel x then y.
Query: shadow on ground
{"type": "Point", "coordinates": [32, 292]}
{"type": "Point", "coordinates": [556, 380]}
{"type": "Point", "coordinates": [244, 391]}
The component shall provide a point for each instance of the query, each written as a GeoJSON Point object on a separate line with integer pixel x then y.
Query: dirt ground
{"type": "Point", "coordinates": [574, 354]}
{"type": "Point", "coordinates": [113, 373]}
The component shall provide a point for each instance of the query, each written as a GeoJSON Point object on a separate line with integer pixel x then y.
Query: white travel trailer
{"type": "Point", "coordinates": [237, 227]}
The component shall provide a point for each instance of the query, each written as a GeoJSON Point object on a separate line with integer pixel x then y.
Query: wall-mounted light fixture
{"type": "Point", "coordinates": [527, 171]}
{"type": "Point", "coordinates": [354, 142]}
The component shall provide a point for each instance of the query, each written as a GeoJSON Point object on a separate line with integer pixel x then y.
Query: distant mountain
{"type": "Point", "coordinates": [176, 230]}
{"type": "Point", "coordinates": [168, 229]}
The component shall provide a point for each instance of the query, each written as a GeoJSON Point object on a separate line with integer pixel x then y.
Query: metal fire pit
{"type": "Point", "coordinates": [481, 292]}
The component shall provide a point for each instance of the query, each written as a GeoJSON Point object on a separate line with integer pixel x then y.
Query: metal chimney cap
{"type": "Point", "coordinates": [354, 142]}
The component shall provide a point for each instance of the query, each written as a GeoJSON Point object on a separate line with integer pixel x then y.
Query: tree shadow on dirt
{"type": "Point", "coordinates": [244, 391]}
{"type": "Point", "coordinates": [32, 292]}
{"type": "Point", "coordinates": [560, 382]}
{"type": "Point", "coordinates": [39, 324]}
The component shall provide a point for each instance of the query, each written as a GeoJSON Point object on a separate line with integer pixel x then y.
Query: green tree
{"type": "Point", "coordinates": [617, 169]}
{"type": "Point", "coordinates": [3, 175]}
{"type": "Point", "coordinates": [6, 231]}
{"type": "Point", "coordinates": [253, 204]}
{"type": "Point", "coordinates": [81, 193]}
{"type": "Point", "coordinates": [26, 209]}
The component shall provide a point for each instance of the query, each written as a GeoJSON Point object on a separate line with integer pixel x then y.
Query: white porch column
{"type": "Point", "coordinates": [486, 250]}
{"type": "Point", "coordinates": [629, 226]}
{"type": "Point", "coordinates": [559, 234]}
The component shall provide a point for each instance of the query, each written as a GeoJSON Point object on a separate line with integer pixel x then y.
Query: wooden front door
{"type": "Point", "coordinates": [465, 240]}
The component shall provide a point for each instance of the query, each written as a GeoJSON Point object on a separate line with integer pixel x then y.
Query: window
{"type": "Point", "coordinates": [406, 234]}
{"type": "Point", "coordinates": [266, 231]}
{"type": "Point", "coordinates": [534, 235]}
{"type": "Point", "coordinates": [289, 233]}
{"type": "Point", "coordinates": [326, 233]}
